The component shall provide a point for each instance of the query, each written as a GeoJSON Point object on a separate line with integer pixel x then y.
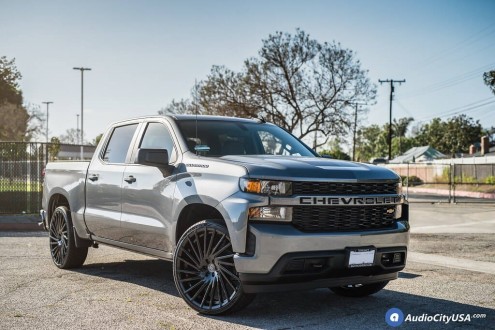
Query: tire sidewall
{"type": "Point", "coordinates": [201, 225]}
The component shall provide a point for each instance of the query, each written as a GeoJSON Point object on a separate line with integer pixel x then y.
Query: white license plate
{"type": "Point", "coordinates": [361, 258]}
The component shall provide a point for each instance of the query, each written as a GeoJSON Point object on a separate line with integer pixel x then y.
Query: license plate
{"type": "Point", "coordinates": [361, 258]}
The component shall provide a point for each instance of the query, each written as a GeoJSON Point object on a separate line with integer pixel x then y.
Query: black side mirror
{"type": "Point", "coordinates": [153, 157]}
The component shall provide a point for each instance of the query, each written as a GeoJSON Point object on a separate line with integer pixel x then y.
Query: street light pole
{"type": "Point", "coordinates": [82, 107]}
{"type": "Point", "coordinates": [77, 128]}
{"type": "Point", "coordinates": [47, 106]}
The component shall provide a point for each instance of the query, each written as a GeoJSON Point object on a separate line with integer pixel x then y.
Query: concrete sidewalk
{"type": "Point", "coordinates": [20, 222]}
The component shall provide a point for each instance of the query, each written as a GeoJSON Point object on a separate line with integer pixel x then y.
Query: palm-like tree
{"type": "Point", "coordinates": [400, 128]}
{"type": "Point", "coordinates": [489, 78]}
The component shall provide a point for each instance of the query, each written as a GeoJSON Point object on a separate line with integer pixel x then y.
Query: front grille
{"type": "Point", "coordinates": [342, 219]}
{"type": "Point", "coordinates": [343, 188]}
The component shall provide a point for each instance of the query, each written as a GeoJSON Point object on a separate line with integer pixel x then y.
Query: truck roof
{"type": "Point", "coordinates": [194, 117]}
{"type": "Point", "coordinates": [209, 117]}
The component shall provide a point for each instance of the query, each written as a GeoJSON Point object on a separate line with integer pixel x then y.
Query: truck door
{"type": "Point", "coordinates": [147, 193]}
{"type": "Point", "coordinates": [104, 184]}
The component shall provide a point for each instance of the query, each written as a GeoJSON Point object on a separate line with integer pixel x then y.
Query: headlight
{"type": "Point", "coordinates": [266, 187]}
{"type": "Point", "coordinates": [271, 213]}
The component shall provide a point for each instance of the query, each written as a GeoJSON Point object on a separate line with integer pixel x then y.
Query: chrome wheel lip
{"type": "Point", "coordinates": [205, 271]}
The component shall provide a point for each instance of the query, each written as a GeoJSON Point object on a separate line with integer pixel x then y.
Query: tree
{"type": "Point", "coordinates": [452, 136]}
{"type": "Point", "coordinates": [18, 122]}
{"type": "Point", "coordinates": [489, 78]}
{"type": "Point", "coordinates": [71, 136]}
{"type": "Point", "coordinates": [9, 82]}
{"type": "Point", "coordinates": [371, 142]}
{"type": "Point", "coordinates": [14, 122]}
{"type": "Point", "coordinates": [97, 139]}
{"type": "Point", "coordinates": [399, 128]}
{"type": "Point", "coordinates": [54, 148]}
{"type": "Point", "coordinates": [296, 82]}
{"type": "Point", "coordinates": [335, 150]}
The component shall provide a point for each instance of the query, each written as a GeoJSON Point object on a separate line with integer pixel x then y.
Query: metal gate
{"type": "Point", "coordinates": [448, 183]}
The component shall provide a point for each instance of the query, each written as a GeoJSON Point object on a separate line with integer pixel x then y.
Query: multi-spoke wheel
{"type": "Point", "coordinates": [64, 252]}
{"type": "Point", "coordinates": [359, 290]}
{"type": "Point", "coordinates": [204, 270]}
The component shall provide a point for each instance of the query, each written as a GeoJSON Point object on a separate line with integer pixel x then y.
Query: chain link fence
{"type": "Point", "coordinates": [21, 172]}
{"type": "Point", "coordinates": [450, 183]}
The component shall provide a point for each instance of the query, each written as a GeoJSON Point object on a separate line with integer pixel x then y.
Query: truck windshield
{"type": "Point", "coordinates": [215, 138]}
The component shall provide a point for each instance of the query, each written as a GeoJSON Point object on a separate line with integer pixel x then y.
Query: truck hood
{"type": "Point", "coordinates": [305, 168]}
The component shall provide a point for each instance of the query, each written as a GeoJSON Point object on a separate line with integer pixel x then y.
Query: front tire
{"type": "Point", "coordinates": [204, 270]}
{"type": "Point", "coordinates": [63, 249]}
{"type": "Point", "coordinates": [359, 290]}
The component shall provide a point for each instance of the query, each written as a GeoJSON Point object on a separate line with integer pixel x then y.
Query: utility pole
{"type": "Point", "coordinates": [77, 127]}
{"type": "Point", "coordinates": [47, 105]}
{"type": "Point", "coordinates": [391, 81]}
{"type": "Point", "coordinates": [82, 107]}
{"type": "Point", "coordinates": [356, 105]}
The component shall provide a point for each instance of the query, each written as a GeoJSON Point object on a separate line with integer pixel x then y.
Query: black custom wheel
{"type": "Point", "coordinates": [204, 270]}
{"type": "Point", "coordinates": [359, 290]}
{"type": "Point", "coordinates": [63, 250]}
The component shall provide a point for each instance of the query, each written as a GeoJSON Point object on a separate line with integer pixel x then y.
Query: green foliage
{"type": "Point", "coordinates": [97, 139]}
{"type": "Point", "coordinates": [54, 148]}
{"type": "Point", "coordinates": [336, 154]}
{"type": "Point", "coordinates": [411, 181]}
{"type": "Point", "coordinates": [465, 179]}
{"type": "Point", "coordinates": [490, 179]}
{"type": "Point", "coordinates": [9, 82]}
{"type": "Point", "coordinates": [489, 79]}
{"type": "Point", "coordinates": [451, 136]}
{"type": "Point", "coordinates": [14, 122]}
{"type": "Point", "coordinates": [13, 151]}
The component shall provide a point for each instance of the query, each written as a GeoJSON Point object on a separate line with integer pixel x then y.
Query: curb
{"type": "Point", "coordinates": [20, 227]}
{"type": "Point", "coordinates": [20, 223]}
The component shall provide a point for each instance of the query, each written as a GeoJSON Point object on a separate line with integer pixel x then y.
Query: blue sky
{"type": "Point", "coordinates": [143, 54]}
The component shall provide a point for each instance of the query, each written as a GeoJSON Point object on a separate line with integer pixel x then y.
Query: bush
{"type": "Point", "coordinates": [490, 179]}
{"type": "Point", "coordinates": [411, 181]}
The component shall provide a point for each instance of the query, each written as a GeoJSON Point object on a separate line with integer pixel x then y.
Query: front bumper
{"type": "Point", "coordinates": [278, 251]}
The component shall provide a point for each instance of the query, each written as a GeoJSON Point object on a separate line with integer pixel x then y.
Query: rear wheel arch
{"type": "Point", "coordinates": [56, 200]}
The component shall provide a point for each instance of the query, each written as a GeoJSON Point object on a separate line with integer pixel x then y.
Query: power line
{"type": "Point", "coordinates": [450, 81]}
{"type": "Point", "coordinates": [471, 107]}
{"type": "Point", "coordinates": [486, 31]}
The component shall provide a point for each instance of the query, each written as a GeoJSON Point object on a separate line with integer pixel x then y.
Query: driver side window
{"type": "Point", "coordinates": [157, 136]}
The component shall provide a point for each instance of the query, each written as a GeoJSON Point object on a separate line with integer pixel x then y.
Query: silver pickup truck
{"type": "Point", "coordinates": [240, 206]}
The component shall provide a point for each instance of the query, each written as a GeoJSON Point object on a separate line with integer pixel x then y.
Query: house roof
{"type": "Point", "coordinates": [418, 154]}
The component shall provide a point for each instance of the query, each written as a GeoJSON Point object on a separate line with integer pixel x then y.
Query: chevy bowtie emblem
{"type": "Point", "coordinates": [390, 211]}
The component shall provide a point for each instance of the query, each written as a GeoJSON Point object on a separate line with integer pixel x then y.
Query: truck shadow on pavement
{"type": "Point", "coordinates": [313, 309]}
{"type": "Point", "coordinates": [321, 309]}
{"type": "Point", "coordinates": [154, 274]}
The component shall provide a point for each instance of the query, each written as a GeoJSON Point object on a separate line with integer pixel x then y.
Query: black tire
{"type": "Point", "coordinates": [63, 249]}
{"type": "Point", "coordinates": [359, 290]}
{"type": "Point", "coordinates": [204, 270]}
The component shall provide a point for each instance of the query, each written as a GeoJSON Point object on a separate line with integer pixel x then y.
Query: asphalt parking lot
{"type": "Point", "coordinates": [116, 289]}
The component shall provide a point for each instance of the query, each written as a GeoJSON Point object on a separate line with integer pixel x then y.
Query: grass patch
{"type": "Point", "coordinates": [7, 185]}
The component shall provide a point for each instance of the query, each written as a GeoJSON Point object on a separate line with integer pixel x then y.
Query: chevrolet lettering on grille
{"type": "Point", "coordinates": [319, 200]}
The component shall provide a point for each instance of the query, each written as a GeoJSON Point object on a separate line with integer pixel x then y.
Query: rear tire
{"type": "Point", "coordinates": [204, 270]}
{"type": "Point", "coordinates": [359, 290]}
{"type": "Point", "coordinates": [63, 249]}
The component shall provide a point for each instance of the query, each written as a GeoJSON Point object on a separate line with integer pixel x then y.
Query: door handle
{"type": "Point", "coordinates": [130, 179]}
{"type": "Point", "coordinates": [93, 177]}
